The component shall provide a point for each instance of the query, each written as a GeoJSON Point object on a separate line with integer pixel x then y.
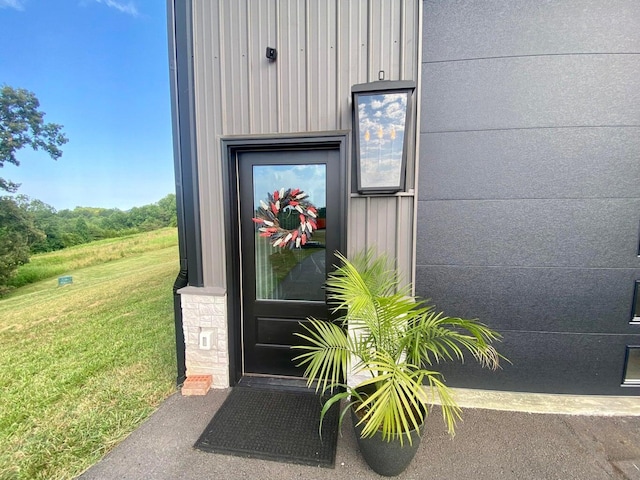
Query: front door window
{"type": "Point", "coordinates": [289, 215]}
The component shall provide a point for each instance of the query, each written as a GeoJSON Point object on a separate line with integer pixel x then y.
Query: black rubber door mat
{"type": "Point", "coordinates": [274, 425]}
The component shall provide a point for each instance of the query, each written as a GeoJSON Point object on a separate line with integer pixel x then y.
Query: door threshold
{"type": "Point", "coordinates": [275, 383]}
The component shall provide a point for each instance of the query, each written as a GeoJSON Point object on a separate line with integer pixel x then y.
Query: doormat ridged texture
{"type": "Point", "coordinates": [275, 425]}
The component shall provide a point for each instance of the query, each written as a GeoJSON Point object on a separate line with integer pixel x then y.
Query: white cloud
{"type": "Point", "coordinates": [395, 111]}
{"type": "Point", "coordinates": [395, 97]}
{"type": "Point", "coordinates": [16, 4]}
{"type": "Point", "coordinates": [129, 8]}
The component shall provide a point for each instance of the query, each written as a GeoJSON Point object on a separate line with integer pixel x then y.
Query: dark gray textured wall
{"type": "Point", "coordinates": [529, 184]}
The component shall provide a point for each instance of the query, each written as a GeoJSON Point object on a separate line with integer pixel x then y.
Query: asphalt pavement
{"type": "Point", "coordinates": [489, 444]}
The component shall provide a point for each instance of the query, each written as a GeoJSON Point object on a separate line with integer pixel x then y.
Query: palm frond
{"type": "Point", "coordinates": [393, 337]}
{"type": "Point", "coordinates": [327, 353]}
{"type": "Point", "coordinates": [434, 337]}
{"type": "Point", "coordinates": [397, 404]}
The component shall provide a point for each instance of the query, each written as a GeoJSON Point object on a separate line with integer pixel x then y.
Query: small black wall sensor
{"type": "Point", "coordinates": [272, 53]}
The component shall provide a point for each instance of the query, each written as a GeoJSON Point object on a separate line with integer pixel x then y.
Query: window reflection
{"type": "Point", "coordinates": [381, 126]}
{"type": "Point", "coordinates": [291, 273]}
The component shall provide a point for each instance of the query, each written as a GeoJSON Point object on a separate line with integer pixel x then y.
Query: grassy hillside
{"type": "Point", "coordinates": [60, 262]}
{"type": "Point", "coordinates": [82, 365]}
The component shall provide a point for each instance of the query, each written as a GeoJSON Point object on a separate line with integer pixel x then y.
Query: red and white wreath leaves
{"type": "Point", "coordinates": [292, 200]}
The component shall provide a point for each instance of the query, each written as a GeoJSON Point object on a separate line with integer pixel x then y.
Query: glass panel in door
{"type": "Point", "coordinates": [290, 218]}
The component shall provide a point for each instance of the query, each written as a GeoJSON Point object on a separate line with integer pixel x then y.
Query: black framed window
{"type": "Point", "coordinates": [382, 119]}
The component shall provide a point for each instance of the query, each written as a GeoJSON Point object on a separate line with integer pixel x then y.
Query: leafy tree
{"type": "Point", "coordinates": [82, 230]}
{"type": "Point", "coordinates": [69, 239]}
{"type": "Point", "coordinates": [17, 233]}
{"type": "Point", "coordinates": [169, 211]}
{"type": "Point", "coordinates": [22, 125]}
{"type": "Point", "coordinates": [117, 220]}
{"type": "Point", "coordinates": [45, 219]}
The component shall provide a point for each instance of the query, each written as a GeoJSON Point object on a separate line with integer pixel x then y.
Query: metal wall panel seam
{"type": "Point", "coordinates": [282, 73]}
{"type": "Point", "coordinates": [536, 127]}
{"type": "Point", "coordinates": [394, 45]}
{"type": "Point", "coordinates": [361, 241]}
{"type": "Point", "coordinates": [275, 126]}
{"type": "Point", "coordinates": [398, 235]}
{"type": "Point", "coordinates": [369, 39]}
{"type": "Point", "coordinates": [378, 33]}
{"type": "Point", "coordinates": [416, 166]}
{"type": "Point", "coordinates": [329, 121]}
{"type": "Point", "coordinates": [237, 82]}
{"type": "Point", "coordinates": [506, 266]}
{"type": "Point", "coordinates": [251, 104]}
{"type": "Point", "coordinates": [215, 155]}
{"type": "Point", "coordinates": [341, 76]}
{"type": "Point", "coordinates": [315, 64]}
{"type": "Point", "coordinates": [278, 72]}
{"type": "Point", "coordinates": [306, 65]}
{"type": "Point", "coordinates": [529, 55]}
{"type": "Point", "coordinates": [367, 215]}
{"type": "Point", "coordinates": [377, 54]}
{"type": "Point", "coordinates": [312, 64]}
{"type": "Point", "coordinates": [338, 105]}
{"type": "Point", "coordinates": [232, 69]}
{"type": "Point", "coordinates": [403, 40]}
{"type": "Point", "coordinates": [357, 239]}
{"type": "Point", "coordinates": [201, 114]}
{"type": "Point", "coordinates": [222, 80]}
{"type": "Point", "coordinates": [253, 35]}
{"type": "Point", "coordinates": [243, 22]}
{"type": "Point", "coordinates": [219, 261]}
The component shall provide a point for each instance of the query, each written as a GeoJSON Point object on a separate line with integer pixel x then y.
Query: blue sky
{"type": "Point", "coordinates": [311, 179]}
{"type": "Point", "coordinates": [99, 68]}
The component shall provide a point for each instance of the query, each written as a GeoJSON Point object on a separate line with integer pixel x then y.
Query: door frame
{"type": "Point", "coordinates": [231, 147]}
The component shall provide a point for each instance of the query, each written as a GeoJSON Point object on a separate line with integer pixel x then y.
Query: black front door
{"type": "Point", "coordinates": [290, 217]}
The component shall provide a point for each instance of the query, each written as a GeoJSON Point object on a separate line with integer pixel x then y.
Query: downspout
{"type": "Point", "coordinates": [182, 280]}
{"type": "Point", "coordinates": [185, 164]}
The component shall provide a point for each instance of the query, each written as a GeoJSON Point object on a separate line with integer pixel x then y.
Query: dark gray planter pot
{"type": "Point", "coordinates": [386, 458]}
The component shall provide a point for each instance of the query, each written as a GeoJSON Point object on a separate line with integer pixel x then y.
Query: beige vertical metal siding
{"type": "Point", "coordinates": [324, 47]}
{"type": "Point", "coordinates": [263, 81]}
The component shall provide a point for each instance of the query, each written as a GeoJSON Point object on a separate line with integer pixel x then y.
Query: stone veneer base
{"type": "Point", "coordinates": [204, 310]}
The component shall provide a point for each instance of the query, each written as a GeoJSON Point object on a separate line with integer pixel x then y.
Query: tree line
{"type": "Point", "coordinates": [55, 230]}
{"type": "Point", "coordinates": [29, 226]}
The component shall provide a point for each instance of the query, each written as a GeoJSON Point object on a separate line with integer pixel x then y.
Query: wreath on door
{"type": "Point", "coordinates": [294, 202]}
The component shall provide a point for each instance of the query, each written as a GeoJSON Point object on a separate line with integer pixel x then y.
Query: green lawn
{"type": "Point", "coordinates": [82, 365]}
{"type": "Point", "coordinates": [60, 262]}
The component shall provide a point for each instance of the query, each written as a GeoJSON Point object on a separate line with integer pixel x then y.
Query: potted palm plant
{"type": "Point", "coordinates": [395, 340]}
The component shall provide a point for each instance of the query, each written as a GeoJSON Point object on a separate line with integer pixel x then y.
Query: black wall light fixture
{"type": "Point", "coordinates": [271, 54]}
{"type": "Point", "coordinates": [381, 118]}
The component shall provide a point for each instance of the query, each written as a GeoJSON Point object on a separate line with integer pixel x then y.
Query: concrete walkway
{"type": "Point", "coordinates": [489, 444]}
